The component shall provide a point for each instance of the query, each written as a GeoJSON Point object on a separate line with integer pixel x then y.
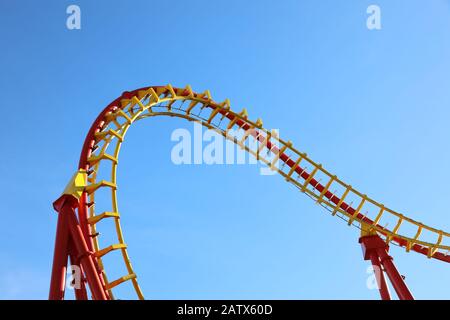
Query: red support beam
{"type": "Point", "coordinates": [379, 274]}
{"type": "Point", "coordinates": [396, 279]}
{"type": "Point", "coordinates": [376, 250]}
{"type": "Point", "coordinates": [58, 278]}
{"type": "Point", "coordinates": [69, 232]}
{"type": "Point", "coordinates": [80, 292]}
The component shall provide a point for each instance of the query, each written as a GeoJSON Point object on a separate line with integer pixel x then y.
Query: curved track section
{"type": "Point", "coordinates": [102, 147]}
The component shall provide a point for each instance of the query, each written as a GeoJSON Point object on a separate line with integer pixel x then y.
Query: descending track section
{"type": "Point", "coordinates": [103, 143]}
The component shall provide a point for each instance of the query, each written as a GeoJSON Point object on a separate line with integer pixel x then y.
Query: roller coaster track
{"type": "Point", "coordinates": [101, 150]}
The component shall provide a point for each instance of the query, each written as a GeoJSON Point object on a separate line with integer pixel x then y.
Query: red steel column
{"type": "Point", "coordinates": [85, 256]}
{"type": "Point", "coordinates": [396, 279]}
{"type": "Point", "coordinates": [376, 250]}
{"type": "Point", "coordinates": [381, 281]}
{"type": "Point", "coordinates": [69, 230]}
{"type": "Point", "coordinates": [80, 293]}
{"type": "Point", "coordinates": [59, 269]}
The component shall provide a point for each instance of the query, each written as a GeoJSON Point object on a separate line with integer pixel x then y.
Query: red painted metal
{"type": "Point", "coordinates": [396, 279]}
{"type": "Point", "coordinates": [74, 236]}
{"type": "Point", "coordinates": [379, 274]}
{"type": "Point", "coordinates": [376, 250]}
{"type": "Point", "coordinates": [80, 293]}
{"type": "Point", "coordinates": [58, 279]}
{"type": "Point", "coordinates": [69, 233]}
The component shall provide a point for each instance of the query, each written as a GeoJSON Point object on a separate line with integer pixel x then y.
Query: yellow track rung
{"type": "Point", "coordinates": [394, 231]}
{"type": "Point", "coordinates": [191, 106]}
{"type": "Point", "coordinates": [244, 113]}
{"type": "Point", "coordinates": [325, 189]}
{"type": "Point", "coordinates": [279, 153]}
{"type": "Point", "coordinates": [232, 123]}
{"type": "Point", "coordinates": [124, 102]}
{"type": "Point", "coordinates": [431, 252]}
{"type": "Point", "coordinates": [378, 217]}
{"type": "Point", "coordinates": [102, 134]}
{"type": "Point", "coordinates": [263, 144]}
{"type": "Point", "coordinates": [294, 167]}
{"type": "Point", "coordinates": [180, 91]}
{"type": "Point", "coordinates": [397, 226]}
{"type": "Point", "coordinates": [189, 90]}
{"type": "Point", "coordinates": [122, 113]}
{"type": "Point", "coordinates": [225, 104]}
{"type": "Point", "coordinates": [97, 218]}
{"type": "Point", "coordinates": [205, 95]}
{"type": "Point", "coordinates": [411, 243]}
{"type": "Point", "coordinates": [341, 201]}
{"type": "Point", "coordinates": [358, 210]}
{"type": "Point", "coordinates": [93, 187]}
{"type": "Point", "coordinates": [115, 283]}
{"type": "Point", "coordinates": [259, 123]}
{"type": "Point", "coordinates": [154, 95]}
{"type": "Point", "coordinates": [434, 249]}
{"type": "Point", "coordinates": [246, 134]}
{"type": "Point", "coordinates": [142, 93]}
{"type": "Point", "coordinates": [213, 114]}
{"type": "Point", "coordinates": [135, 99]}
{"type": "Point", "coordinates": [130, 105]}
{"type": "Point", "coordinates": [95, 159]}
{"type": "Point", "coordinates": [112, 247]}
{"type": "Point", "coordinates": [172, 92]}
{"type": "Point", "coordinates": [311, 176]}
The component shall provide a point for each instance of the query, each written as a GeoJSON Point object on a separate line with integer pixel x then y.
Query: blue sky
{"type": "Point", "coordinates": [371, 106]}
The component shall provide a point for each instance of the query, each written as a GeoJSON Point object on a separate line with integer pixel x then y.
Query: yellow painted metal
{"type": "Point", "coordinates": [411, 243]}
{"type": "Point", "coordinates": [325, 189]}
{"type": "Point", "coordinates": [91, 188]}
{"type": "Point", "coordinates": [278, 154]}
{"type": "Point", "coordinates": [170, 95]}
{"type": "Point", "coordinates": [259, 123]}
{"type": "Point", "coordinates": [94, 159]}
{"type": "Point", "coordinates": [357, 211]}
{"type": "Point", "coordinates": [213, 114]}
{"type": "Point", "coordinates": [76, 185]}
{"type": "Point", "coordinates": [341, 201]}
{"type": "Point", "coordinates": [244, 137]}
{"type": "Point", "coordinates": [311, 176]}
{"type": "Point", "coordinates": [115, 283]}
{"type": "Point", "coordinates": [263, 144]}
{"type": "Point", "coordinates": [102, 252]}
{"type": "Point", "coordinates": [232, 123]}
{"type": "Point", "coordinates": [97, 218]}
{"type": "Point", "coordinates": [135, 99]}
{"type": "Point", "coordinates": [102, 134]}
{"type": "Point", "coordinates": [294, 167]}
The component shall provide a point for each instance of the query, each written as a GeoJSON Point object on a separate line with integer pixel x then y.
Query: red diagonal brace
{"type": "Point", "coordinates": [376, 250]}
{"type": "Point", "coordinates": [69, 232]}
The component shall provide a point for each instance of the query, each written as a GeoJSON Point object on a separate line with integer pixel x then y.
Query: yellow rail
{"type": "Point", "coordinates": [163, 101]}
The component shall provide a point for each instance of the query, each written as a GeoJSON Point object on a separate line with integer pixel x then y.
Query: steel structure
{"type": "Point", "coordinates": [77, 237]}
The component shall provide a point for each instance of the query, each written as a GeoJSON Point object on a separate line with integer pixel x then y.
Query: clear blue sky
{"type": "Point", "coordinates": [372, 106]}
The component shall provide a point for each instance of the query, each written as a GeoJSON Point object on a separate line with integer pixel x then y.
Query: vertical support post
{"type": "Point", "coordinates": [85, 256]}
{"type": "Point", "coordinates": [379, 274]}
{"type": "Point", "coordinates": [376, 250]}
{"type": "Point", "coordinates": [71, 241]}
{"type": "Point", "coordinates": [80, 293]}
{"type": "Point", "coordinates": [59, 269]}
{"type": "Point", "coordinates": [396, 279]}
